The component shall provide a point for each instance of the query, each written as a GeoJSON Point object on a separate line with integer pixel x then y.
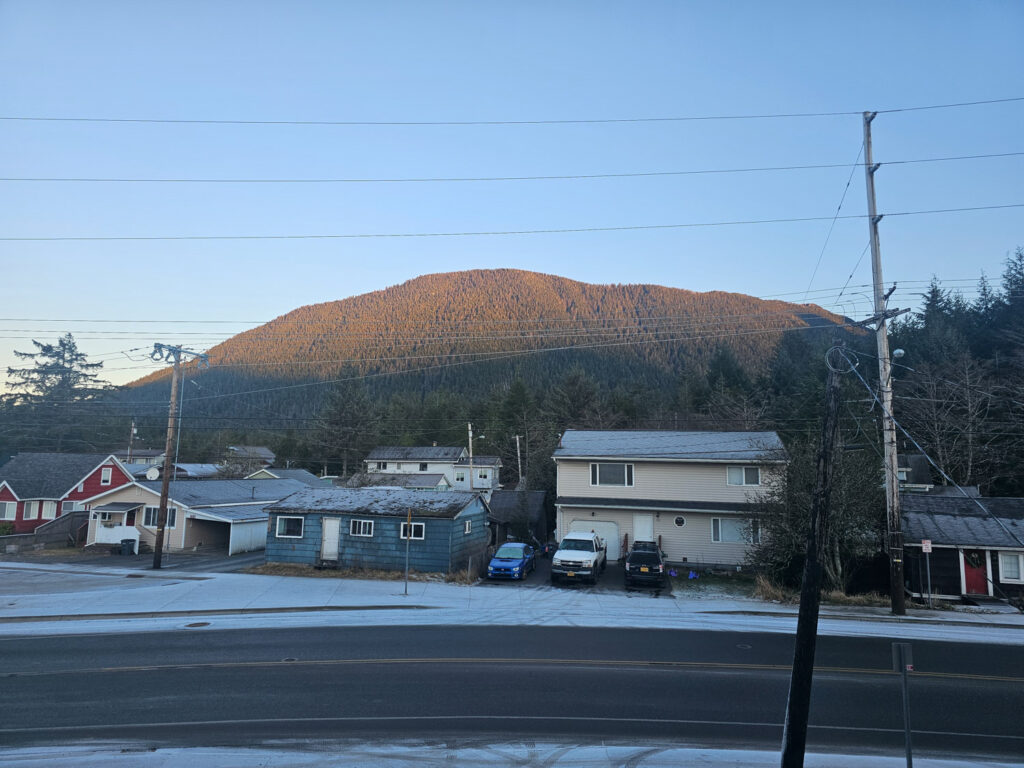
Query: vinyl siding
{"type": "Point", "coordinates": [690, 544]}
{"type": "Point", "coordinates": [667, 481]}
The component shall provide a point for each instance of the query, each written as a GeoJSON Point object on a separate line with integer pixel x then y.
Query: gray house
{"type": "Point", "coordinates": [368, 528]}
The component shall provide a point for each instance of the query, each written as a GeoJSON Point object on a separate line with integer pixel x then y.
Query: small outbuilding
{"type": "Point", "coordinates": [370, 528]}
{"type": "Point", "coordinates": [977, 546]}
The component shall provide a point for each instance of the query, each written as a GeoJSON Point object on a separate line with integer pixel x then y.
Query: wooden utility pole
{"type": "Point", "coordinates": [894, 526]}
{"type": "Point", "coordinates": [131, 440]}
{"type": "Point", "coordinates": [794, 734]}
{"type": "Point", "coordinates": [173, 354]}
{"type": "Point", "coordinates": [470, 456]}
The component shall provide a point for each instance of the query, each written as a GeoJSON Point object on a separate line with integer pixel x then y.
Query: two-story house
{"type": "Point", "coordinates": [692, 492]}
{"type": "Point", "coordinates": [452, 463]}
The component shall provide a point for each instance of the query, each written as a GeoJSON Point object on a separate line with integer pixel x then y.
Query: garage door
{"type": "Point", "coordinates": [606, 530]}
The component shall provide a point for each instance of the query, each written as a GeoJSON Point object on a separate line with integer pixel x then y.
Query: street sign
{"type": "Point", "coordinates": [926, 545]}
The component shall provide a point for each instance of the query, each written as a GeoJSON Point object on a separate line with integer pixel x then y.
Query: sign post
{"type": "Point", "coordinates": [903, 663]}
{"type": "Point", "coordinates": [926, 547]}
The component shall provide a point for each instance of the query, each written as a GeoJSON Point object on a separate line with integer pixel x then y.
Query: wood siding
{"type": "Point", "coordinates": [665, 481]}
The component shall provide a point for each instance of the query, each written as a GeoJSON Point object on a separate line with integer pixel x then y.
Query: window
{"type": "Point", "coordinates": [680, 521]}
{"type": "Point", "coordinates": [468, 527]}
{"type": "Point", "coordinates": [418, 531]}
{"type": "Point", "coordinates": [1011, 566]}
{"type": "Point", "coordinates": [901, 475]}
{"type": "Point", "coordinates": [31, 510]}
{"type": "Point", "coordinates": [360, 527]}
{"type": "Point", "coordinates": [49, 510]}
{"type": "Point", "coordinates": [152, 514]}
{"type": "Point", "coordinates": [289, 527]}
{"type": "Point", "coordinates": [382, 465]}
{"type": "Point", "coordinates": [483, 474]}
{"type": "Point", "coordinates": [81, 487]}
{"type": "Point", "coordinates": [67, 506]}
{"type": "Point", "coordinates": [460, 477]}
{"type": "Point", "coordinates": [611, 474]}
{"type": "Point", "coordinates": [105, 475]}
{"type": "Point", "coordinates": [423, 466]}
{"type": "Point", "coordinates": [743, 476]}
{"type": "Point", "coordinates": [8, 510]}
{"type": "Point", "coordinates": [733, 530]}
{"type": "Point", "coordinates": [103, 517]}
{"type": "Point", "coordinates": [398, 465]}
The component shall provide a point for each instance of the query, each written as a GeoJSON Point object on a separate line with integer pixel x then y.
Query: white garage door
{"type": "Point", "coordinates": [606, 530]}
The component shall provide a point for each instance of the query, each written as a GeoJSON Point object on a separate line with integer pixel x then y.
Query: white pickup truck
{"type": "Point", "coordinates": [580, 556]}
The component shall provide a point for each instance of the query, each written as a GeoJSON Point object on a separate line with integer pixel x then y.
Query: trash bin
{"type": "Point", "coordinates": [127, 546]}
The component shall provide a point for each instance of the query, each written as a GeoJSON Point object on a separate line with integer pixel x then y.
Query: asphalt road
{"type": "Point", "coordinates": [204, 688]}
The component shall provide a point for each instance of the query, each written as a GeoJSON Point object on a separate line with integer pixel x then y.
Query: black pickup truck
{"type": "Point", "coordinates": [645, 565]}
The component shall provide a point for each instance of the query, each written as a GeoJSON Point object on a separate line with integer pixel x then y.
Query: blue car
{"type": "Point", "coordinates": [512, 561]}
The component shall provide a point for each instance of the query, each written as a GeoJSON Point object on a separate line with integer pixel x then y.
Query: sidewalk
{"type": "Point", "coordinates": [39, 598]}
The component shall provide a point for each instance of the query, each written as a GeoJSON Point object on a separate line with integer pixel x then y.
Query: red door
{"type": "Point", "coordinates": [975, 575]}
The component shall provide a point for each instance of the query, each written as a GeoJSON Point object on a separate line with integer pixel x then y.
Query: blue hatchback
{"type": "Point", "coordinates": [512, 561]}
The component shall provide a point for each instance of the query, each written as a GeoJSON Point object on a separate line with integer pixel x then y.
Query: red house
{"type": "Point", "coordinates": [36, 488]}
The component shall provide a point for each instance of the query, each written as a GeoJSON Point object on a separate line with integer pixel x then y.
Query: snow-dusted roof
{"type": "Point", "coordinates": [48, 475]}
{"type": "Point", "coordinates": [677, 446]}
{"type": "Point", "coordinates": [202, 493]}
{"type": "Point", "coordinates": [388, 502]}
{"type": "Point", "coordinates": [415, 453]}
{"type": "Point", "coordinates": [960, 521]}
{"type": "Point", "coordinates": [236, 513]}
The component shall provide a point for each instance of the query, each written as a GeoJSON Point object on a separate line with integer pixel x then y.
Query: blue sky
{"type": "Point", "coordinates": [472, 61]}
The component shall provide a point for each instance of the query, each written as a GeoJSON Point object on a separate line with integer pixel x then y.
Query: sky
{"type": "Point", "coordinates": [282, 65]}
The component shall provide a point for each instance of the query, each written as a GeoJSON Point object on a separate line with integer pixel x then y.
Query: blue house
{"type": "Point", "coordinates": [369, 528]}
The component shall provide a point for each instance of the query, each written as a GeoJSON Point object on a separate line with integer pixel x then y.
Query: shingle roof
{"type": "Point", "coordinates": [386, 502]}
{"type": "Point", "coordinates": [48, 475]}
{"type": "Point", "coordinates": [416, 480]}
{"type": "Point", "coordinates": [480, 461]}
{"type": "Point", "coordinates": [200, 493]}
{"type": "Point", "coordinates": [680, 446]}
{"type": "Point", "coordinates": [506, 505]}
{"type": "Point", "coordinates": [302, 475]}
{"type": "Point", "coordinates": [960, 522]}
{"type": "Point", "coordinates": [252, 452]}
{"type": "Point", "coordinates": [415, 453]}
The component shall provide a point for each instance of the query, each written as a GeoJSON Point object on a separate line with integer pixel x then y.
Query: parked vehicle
{"type": "Point", "coordinates": [645, 566]}
{"type": "Point", "coordinates": [645, 546]}
{"type": "Point", "coordinates": [580, 556]}
{"type": "Point", "coordinates": [512, 561]}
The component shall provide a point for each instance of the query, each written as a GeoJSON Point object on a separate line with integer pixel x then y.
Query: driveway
{"type": "Point", "coordinates": [611, 581]}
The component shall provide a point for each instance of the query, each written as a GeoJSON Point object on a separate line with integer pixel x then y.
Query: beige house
{"type": "Point", "coordinates": [692, 492]}
{"type": "Point", "coordinates": [224, 514]}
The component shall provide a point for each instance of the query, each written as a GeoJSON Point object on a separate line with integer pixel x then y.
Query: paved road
{"type": "Point", "coordinates": [199, 687]}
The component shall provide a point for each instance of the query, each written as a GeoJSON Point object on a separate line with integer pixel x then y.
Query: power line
{"type": "Point", "coordinates": [577, 121]}
{"type": "Point", "coordinates": [434, 179]}
{"type": "Point", "coordinates": [491, 233]}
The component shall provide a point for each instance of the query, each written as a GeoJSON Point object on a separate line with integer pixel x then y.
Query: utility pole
{"type": "Point", "coordinates": [894, 526]}
{"type": "Point", "coordinates": [798, 705]}
{"type": "Point", "coordinates": [519, 461]}
{"type": "Point", "coordinates": [131, 440]}
{"type": "Point", "coordinates": [471, 457]}
{"type": "Point", "coordinates": [168, 353]}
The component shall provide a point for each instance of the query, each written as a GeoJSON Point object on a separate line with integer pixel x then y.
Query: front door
{"type": "Point", "coordinates": [975, 572]}
{"type": "Point", "coordinates": [643, 527]}
{"type": "Point", "coordinates": [129, 519]}
{"type": "Point", "coordinates": [331, 538]}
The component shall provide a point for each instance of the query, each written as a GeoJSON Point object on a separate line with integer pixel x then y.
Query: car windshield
{"type": "Point", "coordinates": [583, 545]}
{"type": "Point", "coordinates": [510, 553]}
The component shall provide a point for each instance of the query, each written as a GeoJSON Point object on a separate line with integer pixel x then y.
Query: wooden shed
{"type": "Point", "coordinates": [369, 528]}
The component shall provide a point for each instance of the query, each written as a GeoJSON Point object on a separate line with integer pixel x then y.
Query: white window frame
{"type": "Point", "coordinates": [423, 466]}
{"type": "Point", "coordinates": [382, 465]}
{"type": "Point", "coordinates": [8, 510]}
{"type": "Point", "coordinates": [468, 527]}
{"type": "Point", "coordinates": [362, 528]}
{"type": "Point", "coordinates": [49, 510]}
{"type": "Point", "coordinates": [1019, 557]}
{"type": "Point", "coordinates": [106, 475]}
{"type": "Point", "coordinates": [743, 472]}
{"type": "Point", "coordinates": [81, 487]}
{"type": "Point", "coordinates": [482, 474]}
{"type": "Point", "coordinates": [627, 474]}
{"type": "Point", "coordinates": [30, 510]}
{"type": "Point", "coordinates": [172, 517]}
{"type": "Point", "coordinates": [460, 477]}
{"type": "Point", "coordinates": [753, 530]}
{"type": "Point", "coordinates": [277, 527]}
{"type": "Point", "coordinates": [420, 528]}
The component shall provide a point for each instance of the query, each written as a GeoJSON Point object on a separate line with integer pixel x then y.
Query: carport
{"type": "Point", "coordinates": [239, 527]}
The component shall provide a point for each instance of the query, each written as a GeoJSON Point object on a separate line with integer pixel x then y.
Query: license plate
{"type": "Point", "coordinates": [644, 569]}
{"type": "Point", "coordinates": [570, 574]}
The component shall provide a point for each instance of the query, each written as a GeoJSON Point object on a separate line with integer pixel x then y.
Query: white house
{"type": "Point", "coordinates": [690, 491]}
{"type": "Point", "coordinates": [479, 474]}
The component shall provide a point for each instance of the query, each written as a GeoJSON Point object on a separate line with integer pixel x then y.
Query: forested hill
{"type": "Point", "coordinates": [466, 330]}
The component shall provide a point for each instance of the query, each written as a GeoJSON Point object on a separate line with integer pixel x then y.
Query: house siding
{"type": "Point", "coordinates": [690, 544]}
{"type": "Point", "coordinates": [91, 485]}
{"type": "Point", "coordinates": [663, 481]}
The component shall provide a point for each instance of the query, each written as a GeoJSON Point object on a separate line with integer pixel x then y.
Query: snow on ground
{"type": "Point", "coordinates": [468, 752]}
{"type": "Point", "coordinates": [67, 599]}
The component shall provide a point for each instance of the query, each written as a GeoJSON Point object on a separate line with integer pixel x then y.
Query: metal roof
{"type": "Point", "coordinates": [960, 522]}
{"type": "Point", "coordinates": [238, 513]}
{"type": "Point", "coordinates": [678, 446]}
{"type": "Point", "coordinates": [48, 475]}
{"type": "Point", "coordinates": [252, 452]}
{"type": "Point", "coordinates": [302, 475]}
{"type": "Point", "coordinates": [203, 493]}
{"type": "Point", "coordinates": [415, 453]}
{"type": "Point", "coordinates": [383, 502]}
{"type": "Point", "coordinates": [119, 506]}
